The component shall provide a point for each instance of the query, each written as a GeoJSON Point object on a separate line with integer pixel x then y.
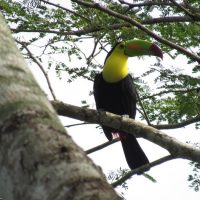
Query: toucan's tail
{"type": "Point", "coordinates": [134, 154]}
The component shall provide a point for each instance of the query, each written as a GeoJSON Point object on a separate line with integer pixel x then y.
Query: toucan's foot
{"type": "Point", "coordinates": [116, 136]}
{"type": "Point", "coordinates": [125, 116]}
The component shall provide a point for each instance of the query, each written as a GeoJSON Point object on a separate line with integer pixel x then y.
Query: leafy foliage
{"type": "Point", "coordinates": [194, 178]}
{"type": "Point", "coordinates": [116, 175]}
{"type": "Point", "coordinates": [178, 99]}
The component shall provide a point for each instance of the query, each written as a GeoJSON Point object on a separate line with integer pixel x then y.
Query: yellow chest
{"type": "Point", "coordinates": [115, 68]}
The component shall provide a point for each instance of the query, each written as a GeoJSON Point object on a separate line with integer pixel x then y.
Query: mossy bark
{"type": "Point", "coordinates": [38, 160]}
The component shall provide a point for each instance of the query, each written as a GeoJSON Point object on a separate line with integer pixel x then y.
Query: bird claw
{"type": "Point", "coordinates": [115, 136]}
{"type": "Point", "coordinates": [125, 116]}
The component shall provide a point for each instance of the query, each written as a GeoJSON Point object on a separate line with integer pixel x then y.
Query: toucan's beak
{"type": "Point", "coordinates": [141, 48]}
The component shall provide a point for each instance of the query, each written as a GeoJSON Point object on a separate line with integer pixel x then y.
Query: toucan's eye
{"type": "Point", "coordinates": [121, 46]}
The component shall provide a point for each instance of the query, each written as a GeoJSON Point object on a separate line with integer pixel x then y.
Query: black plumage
{"type": "Point", "coordinates": [120, 98]}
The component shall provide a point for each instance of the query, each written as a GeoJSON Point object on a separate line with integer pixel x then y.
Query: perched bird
{"type": "Point", "coordinates": [114, 92]}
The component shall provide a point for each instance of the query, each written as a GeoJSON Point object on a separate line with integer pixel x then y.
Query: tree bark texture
{"type": "Point", "coordinates": [38, 160]}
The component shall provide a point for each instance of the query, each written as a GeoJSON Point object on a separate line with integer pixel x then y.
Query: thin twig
{"type": "Point", "coordinates": [171, 19]}
{"type": "Point", "coordinates": [143, 109]}
{"type": "Point", "coordinates": [194, 9]}
{"type": "Point", "coordinates": [78, 74]}
{"type": "Point", "coordinates": [145, 3]}
{"type": "Point", "coordinates": [183, 9]}
{"type": "Point", "coordinates": [99, 147]}
{"type": "Point", "coordinates": [141, 170]}
{"type": "Point", "coordinates": [171, 91]}
{"type": "Point", "coordinates": [65, 9]}
{"type": "Point", "coordinates": [78, 124]}
{"type": "Point", "coordinates": [182, 6]}
{"type": "Point", "coordinates": [89, 58]}
{"type": "Point", "coordinates": [41, 68]}
{"type": "Point", "coordinates": [178, 125]}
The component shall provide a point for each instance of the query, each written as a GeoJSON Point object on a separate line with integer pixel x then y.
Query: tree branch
{"type": "Point", "coordinates": [140, 26]}
{"type": "Point", "coordinates": [192, 8]}
{"type": "Point", "coordinates": [78, 124]}
{"type": "Point", "coordinates": [170, 91]}
{"type": "Point", "coordinates": [89, 30]}
{"type": "Point", "coordinates": [182, 8]}
{"type": "Point", "coordinates": [96, 42]}
{"type": "Point", "coordinates": [145, 3]}
{"type": "Point", "coordinates": [95, 29]}
{"type": "Point", "coordinates": [101, 146]}
{"type": "Point", "coordinates": [178, 125]}
{"type": "Point", "coordinates": [65, 9]}
{"type": "Point", "coordinates": [141, 170]}
{"type": "Point", "coordinates": [41, 68]}
{"type": "Point", "coordinates": [143, 109]}
{"type": "Point", "coordinates": [171, 19]}
{"type": "Point", "coordinates": [177, 149]}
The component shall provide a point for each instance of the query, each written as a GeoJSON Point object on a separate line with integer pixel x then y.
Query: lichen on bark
{"type": "Point", "coordinates": [38, 159]}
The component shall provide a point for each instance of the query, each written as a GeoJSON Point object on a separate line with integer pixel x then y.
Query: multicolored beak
{"type": "Point", "coordinates": [141, 48]}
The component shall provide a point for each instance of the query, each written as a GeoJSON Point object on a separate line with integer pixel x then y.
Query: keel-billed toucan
{"type": "Point", "coordinates": [114, 92]}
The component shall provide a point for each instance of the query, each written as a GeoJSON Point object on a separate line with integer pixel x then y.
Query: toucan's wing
{"type": "Point", "coordinates": [100, 101]}
{"type": "Point", "coordinates": [128, 97]}
{"type": "Point", "coordinates": [97, 93]}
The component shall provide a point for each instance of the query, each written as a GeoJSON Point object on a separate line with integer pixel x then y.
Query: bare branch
{"type": "Point", "coordinates": [175, 147]}
{"type": "Point", "coordinates": [182, 6]}
{"type": "Point", "coordinates": [58, 32]}
{"type": "Point", "coordinates": [99, 147]}
{"type": "Point", "coordinates": [178, 125]}
{"type": "Point", "coordinates": [77, 33]}
{"type": "Point", "coordinates": [78, 124]}
{"type": "Point", "coordinates": [143, 109]}
{"type": "Point", "coordinates": [110, 27]}
{"type": "Point", "coordinates": [74, 71]}
{"type": "Point", "coordinates": [170, 91]}
{"type": "Point", "coordinates": [170, 19]}
{"type": "Point", "coordinates": [145, 3]}
{"type": "Point", "coordinates": [141, 169]}
{"type": "Point", "coordinates": [183, 9]}
{"type": "Point", "coordinates": [41, 68]}
{"type": "Point", "coordinates": [65, 9]}
{"type": "Point", "coordinates": [140, 26]}
{"type": "Point", "coordinates": [89, 58]}
{"type": "Point", "coordinates": [191, 8]}
{"type": "Point", "coordinates": [173, 126]}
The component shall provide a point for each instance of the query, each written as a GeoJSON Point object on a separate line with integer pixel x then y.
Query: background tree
{"type": "Point", "coordinates": [170, 101]}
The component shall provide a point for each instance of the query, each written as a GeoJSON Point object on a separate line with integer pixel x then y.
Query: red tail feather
{"type": "Point", "coordinates": [120, 136]}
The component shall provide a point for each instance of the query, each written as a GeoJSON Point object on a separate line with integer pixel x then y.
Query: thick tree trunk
{"type": "Point", "coordinates": [38, 160]}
